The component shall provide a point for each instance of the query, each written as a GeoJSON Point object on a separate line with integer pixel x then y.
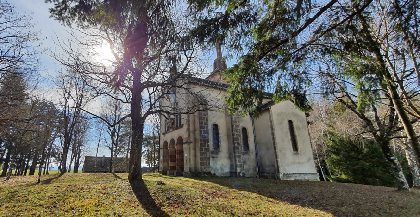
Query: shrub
{"type": "Point", "coordinates": [358, 161]}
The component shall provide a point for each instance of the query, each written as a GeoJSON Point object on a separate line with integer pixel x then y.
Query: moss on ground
{"type": "Point", "coordinates": [112, 195]}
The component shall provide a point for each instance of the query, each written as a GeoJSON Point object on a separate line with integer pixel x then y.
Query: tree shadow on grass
{"type": "Point", "coordinates": [338, 199]}
{"type": "Point", "coordinates": [49, 180]}
{"type": "Point", "coordinates": [46, 181]}
{"type": "Point", "coordinates": [117, 176]}
{"type": "Point", "coordinates": [145, 199]}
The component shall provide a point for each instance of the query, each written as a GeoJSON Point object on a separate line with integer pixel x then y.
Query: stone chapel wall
{"type": "Point", "coordinates": [267, 161]}
{"type": "Point", "coordinates": [292, 164]}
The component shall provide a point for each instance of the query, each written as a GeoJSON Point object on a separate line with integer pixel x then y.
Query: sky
{"type": "Point", "coordinates": [51, 33]}
{"type": "Point", "coordinates": [48, 30]}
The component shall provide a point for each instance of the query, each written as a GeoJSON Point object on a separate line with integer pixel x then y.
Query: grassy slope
{"type": "Point", "coordinates": [101, 194]}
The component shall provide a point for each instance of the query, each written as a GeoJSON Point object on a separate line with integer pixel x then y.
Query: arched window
{"type": "Point", "coordinates": [216, 137]}
{"type": "Point", "coordinates": [293, 138]}
{"type": "Point", "coordinates": [245, 141]}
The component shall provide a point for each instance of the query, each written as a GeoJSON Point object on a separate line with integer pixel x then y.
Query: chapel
{"type": "Point", "coordinates": [211, 141]}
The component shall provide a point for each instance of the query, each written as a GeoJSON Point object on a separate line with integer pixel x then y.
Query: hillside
{"type": "Point", "coordinates": [108, 194]}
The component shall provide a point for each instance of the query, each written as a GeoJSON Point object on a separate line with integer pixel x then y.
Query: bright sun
{"type": "Point", "coordinates": [104, 53]}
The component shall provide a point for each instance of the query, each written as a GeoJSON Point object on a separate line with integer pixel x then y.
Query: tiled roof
{"type": "Point", "coordinates": [215, 84]}
{"type": "Point", "coordinates": [208, 83]}
{"type": "Point", "coordinates": [266, 105]}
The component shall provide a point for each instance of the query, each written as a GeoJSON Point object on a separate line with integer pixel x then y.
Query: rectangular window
{"type": "Point", "coordinates": [293, 138]}
{"type": "Point", "coordinates": [178, 121]}
{"type": "Point", "coordinates": [245, 141]}
{"type": "Point", "coordinates": [216, 137]}
{"type": "Point", "coordinates": [170, 124]}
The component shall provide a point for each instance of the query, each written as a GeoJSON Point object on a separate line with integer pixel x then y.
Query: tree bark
{"type": "Point", "coordinates": [412, 141]}
{"type": "Point", "coordinates": [41, 163]}
{"type": "Point", "coordinates": [21, 165]}
{"type": "Point", "coordinates": [137, 121]}
{"type": "Point", "coordinates": [47, 162]}
{"type": "Point", "coordinates": [76, 164]}
{"type": "Point", "coordinates": [63, 168]}
{"type": "Point", "coordinates": [33, 165]}
{"type": "Point", "coordinates": [396, 169]}
{"type": "Point", "coordinates": [47, 167]}
{"type": "Point", "coordinates": [77, 159]}
{"type": "Point", "coordinates": [27, 165]}
{"type": "Point", "coordinates": [111, 163]}
{"type": "Point", "coordinates": [413, 164]}
{"type": "Point", "coordinates": [6, 164]}
{"type": "Point", "coordinates": [137, 128]}
{"type": "Point", "coordinates": [71, 159]}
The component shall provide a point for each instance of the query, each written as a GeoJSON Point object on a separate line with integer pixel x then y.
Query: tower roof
{"type": "Point", "coordinates": [219, 63]}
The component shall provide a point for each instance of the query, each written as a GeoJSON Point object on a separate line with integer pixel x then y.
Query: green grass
{"type": "Point", "coordinates": [105, 194]}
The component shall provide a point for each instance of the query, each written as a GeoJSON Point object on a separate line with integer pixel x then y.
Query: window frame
{"type": "Point", "coordinates": [214, 136]}
{"type": "Point", "coordinates": [293, 137]}
{"type": "Point", "coordinates": [245, 145]}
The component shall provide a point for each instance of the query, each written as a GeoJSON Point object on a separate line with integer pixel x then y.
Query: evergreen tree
{"type": "Point", "coordinates": [358, 161]}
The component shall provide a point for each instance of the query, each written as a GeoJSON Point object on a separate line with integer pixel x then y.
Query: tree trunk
{"type": "Point", "coordinates": [77, 160]}
{"type": "Point", "coordinates": [22, 165]}
{"type": "Point", "coordinates": [47, 163]}
{"type": "Point", "coordinates": [115, 151]}
{"type": "Point", "coordinates": [76, 166]}
{"type": "Point", "coordinates": [6, 164]}
{"type": "Point", "coordinates": [413, 164]}
{"type": "Point", "coordinates": [137, 128]}
{"type": "Point", "coordinates": [127, 154]}
{"type": "Point", "coordinates": [137, 122]}
{"type": "Point", "coordinates": [41, 163]}
{"type": "Point", "coordinates": [158, 154]}
{"type": "Point", "coordinates": [34, 163]}
{"type": "Point", "coordinates": [63, 163]}
{"type": "Point", "coordinates": [71, 161]}
{"type": "Point", "coordinates": [111, 162]}
{"type": "Point", "coordinates": [47, 158]}
{"type": "Point", "coordinates": [9, 173]}
{"type": "Point", "coordinates": [27, 165]}
{"type": "Point", "coordinates": [47, 167]}
{"type": "Point", "coordinates": [16, 170]}
{"type": "Point", "coordinates": [396, 169]}
{"type": "Point", "coordinates": [2, 155]}
{"type": "Point", "coordinates": [412, 141]}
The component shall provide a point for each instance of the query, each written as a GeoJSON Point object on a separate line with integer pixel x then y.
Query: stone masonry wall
{"type": "Point", "coordinates": [237, 146]}
{"type": "Point", "coordinates": [204, 141]}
